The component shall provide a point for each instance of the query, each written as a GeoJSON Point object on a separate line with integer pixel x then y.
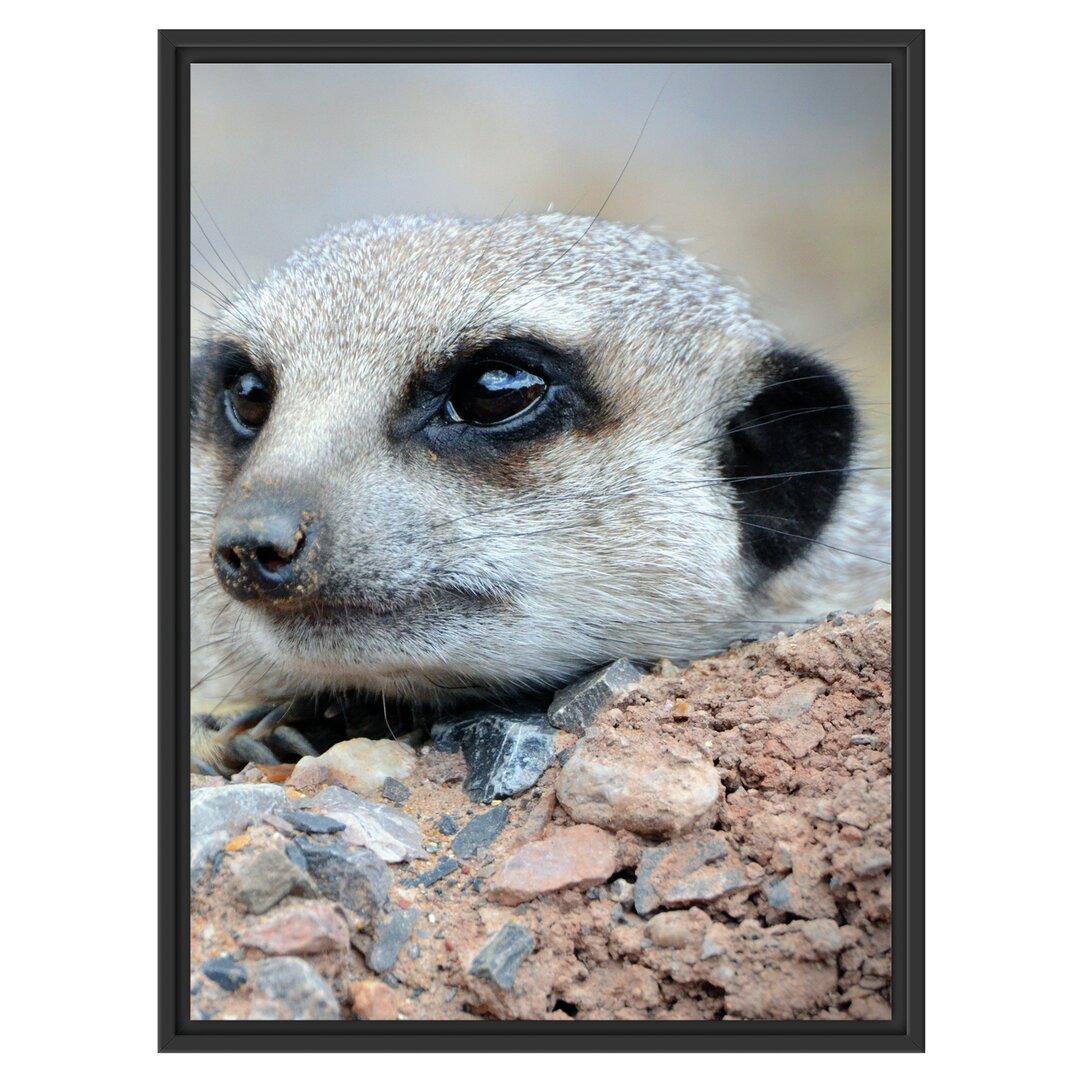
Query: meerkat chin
{"type": "Point", "coordinates": [439, 459]}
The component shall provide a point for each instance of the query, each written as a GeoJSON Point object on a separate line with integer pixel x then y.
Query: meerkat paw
{"type": "Point", "coordinates": [222, 743]}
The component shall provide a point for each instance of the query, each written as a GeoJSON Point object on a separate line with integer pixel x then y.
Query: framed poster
{"type": "Point", "coordinates": [541, 522]}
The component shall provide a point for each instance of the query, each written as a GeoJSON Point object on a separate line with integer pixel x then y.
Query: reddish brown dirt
{"type": "Point", "coordinates": [775, 903]}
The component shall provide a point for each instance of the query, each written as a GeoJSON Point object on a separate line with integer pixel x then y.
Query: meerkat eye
{"type": "Point", "coordinates": [493, 393]}
{"type": "Point", "coordinates": [247, 403]}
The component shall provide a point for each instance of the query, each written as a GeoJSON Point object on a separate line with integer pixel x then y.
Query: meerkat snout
{"type": "Point", "coordinates": [264, 548]}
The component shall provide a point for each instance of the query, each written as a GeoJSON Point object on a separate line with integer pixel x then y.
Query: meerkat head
{"type": "Point", "coordinates": [442, 457]}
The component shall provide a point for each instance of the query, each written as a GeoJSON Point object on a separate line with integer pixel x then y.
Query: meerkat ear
{"type": "Point", "coordinates": [787, 454]}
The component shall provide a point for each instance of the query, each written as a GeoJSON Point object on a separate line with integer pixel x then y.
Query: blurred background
{"type": "Point", "coordinates": [778, 175]}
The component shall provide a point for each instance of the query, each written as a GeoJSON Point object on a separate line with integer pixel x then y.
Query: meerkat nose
{"type": "Point", "coordinates": [265, 552]}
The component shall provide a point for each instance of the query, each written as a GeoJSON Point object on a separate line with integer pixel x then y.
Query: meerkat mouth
{"type": "Point", "coordinates": [330, 614]}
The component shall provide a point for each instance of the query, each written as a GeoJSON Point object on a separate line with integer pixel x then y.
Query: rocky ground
{"type": "Point", "coordinates": [706, 843]}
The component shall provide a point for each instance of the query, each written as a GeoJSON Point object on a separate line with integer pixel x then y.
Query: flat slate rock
{"type": "Point", "coordinates": [392, 835]}
{"type": "Point", "coordinates": [480, 832]}
{"type": "Point", "coordinates": [311, 823]}
{"type": "Point", "coordinates": [505, 753]}
{"type": "Point", "coordinates": [577, 706]}
{"type": "Point", "coordinates": [443, 868]}
{"type": "Point", "coordinates": [228, 973]}
{"type": "Point", "coordinates": [354, 877]}
{"type": "Point", "coordinates": [396, 791]}
{"type": "Point", "coordinates": [390, 936]}
{"type": "Point", "coordinates": [499, 960]}
{"type": "Point", "coordinates": [447, 825]}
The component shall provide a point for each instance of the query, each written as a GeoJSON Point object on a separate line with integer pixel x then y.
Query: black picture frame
{"type": "Point", "coordinates": [903, 50]}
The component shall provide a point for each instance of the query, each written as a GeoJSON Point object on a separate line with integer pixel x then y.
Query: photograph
{"type": "Point", "coordinates": [534, 426]}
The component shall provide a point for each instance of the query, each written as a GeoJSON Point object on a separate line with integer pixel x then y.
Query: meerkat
{"type": "Point", "coordinates": [440, 461]}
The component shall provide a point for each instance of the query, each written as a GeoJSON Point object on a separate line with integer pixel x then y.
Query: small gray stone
{"type": "Point", "coordinates": [646, 897]}
{"type": "Point", "coordinates": [621, 891]}
{"type": "Point", "coordinates": [505, 753]}
{"type": "Point", "coordinates": [354, 877]}
{"type": "Point", "coordinates": [226, 972]}
{"type": "Point", "coordinates": [447, 825]}
{"type": "Point", "coordinates": [219, 813]}
{"type": "Point", "coordinates": [864, 740]}
{"type": "Point", "coordinates": [576, 706]}
{"type": "Point", "coordinates": [317, 824]}
{"type": "Point", "coordinates": [396, 791]}
{"type": "Point", "coordinates": [778, 894]}
{"type": "Point", "coordinates": [480, 832]}
{"type": "Point", "coordinates": [296, 857]}
{"type": "Point", "coordinates": [498, 961]}
{"type": "Point", "coordinates": [443, 868]}
{"type": "Point", "coordinates": [288, 988]}
{"type": "Point", "coordinates": [269, 878]}
{"type": "Point", "coordinates": [390, 935]}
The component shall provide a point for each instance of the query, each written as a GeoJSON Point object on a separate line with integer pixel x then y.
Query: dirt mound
{"type": "Point", "coordinates": [715, 845]}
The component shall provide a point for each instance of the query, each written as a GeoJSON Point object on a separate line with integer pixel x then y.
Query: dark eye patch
{"type": "Point", "coordinates": [228, 393]}
{"type": "Point", "coordinates": [484, 403]}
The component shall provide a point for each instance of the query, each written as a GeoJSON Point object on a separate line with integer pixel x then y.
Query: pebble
{"type": "Point", "coordinates": [870, 861]}
{"type": "Point", "coordinates": [288, 988]}
{"type": "Point", "coordinates": [504, 754]}
{"type": "Point", "coordinates": [373, 1000]}
{"type": "Point", "coordinates": [311, 823]}
{"type": "Point", "coordinates": [315, 927]}
{"type": "Point", "coordinates": [864, 740]}
{"type": "Point", "coordinates": [395, 791]}
{"type": "Point", "coordinates": [800, 736]}
{"type": "Point", "coordinates": [392, 835]}
{"type": "Point", "coordinates": [443, 868]}
{"type": "Point", "coordinates": [824, 936]}
{"type": "Point", "coordinates": [621, 783]}
{"type": "Point", "coordinates": [359, 765]}
{"type": "Point", "coordinates": [390, 936]}
{"type": "Point", "coordinates": [578, 857]}
{"type": "Point", "coordinates": [621, 891]}
{"type": "Point", "coordinates": [796, 700]}
{"type": "Point", "coordinates": [218, 813]}
{"type": "Point", "coordinates": [678, 929]}
{"type": "Point", "coordinates": [447, 825]}
{"type": "Point", "coordinates": [354, 877]}
{"type": "Point", "coordinates": [667, 669]}
{"type": "Point", "coordinates": [480, 832]}
{"type": "Point", "coordinates": [499, 960]}
{"type": "Point", "coordinates": [577, 706]}
{"type": "Point", "coordinates": [226, 972]}
{"type": "Point", "coordinates": [269, 878]}
{"type": "Point", "coordinates": [854, 817]}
